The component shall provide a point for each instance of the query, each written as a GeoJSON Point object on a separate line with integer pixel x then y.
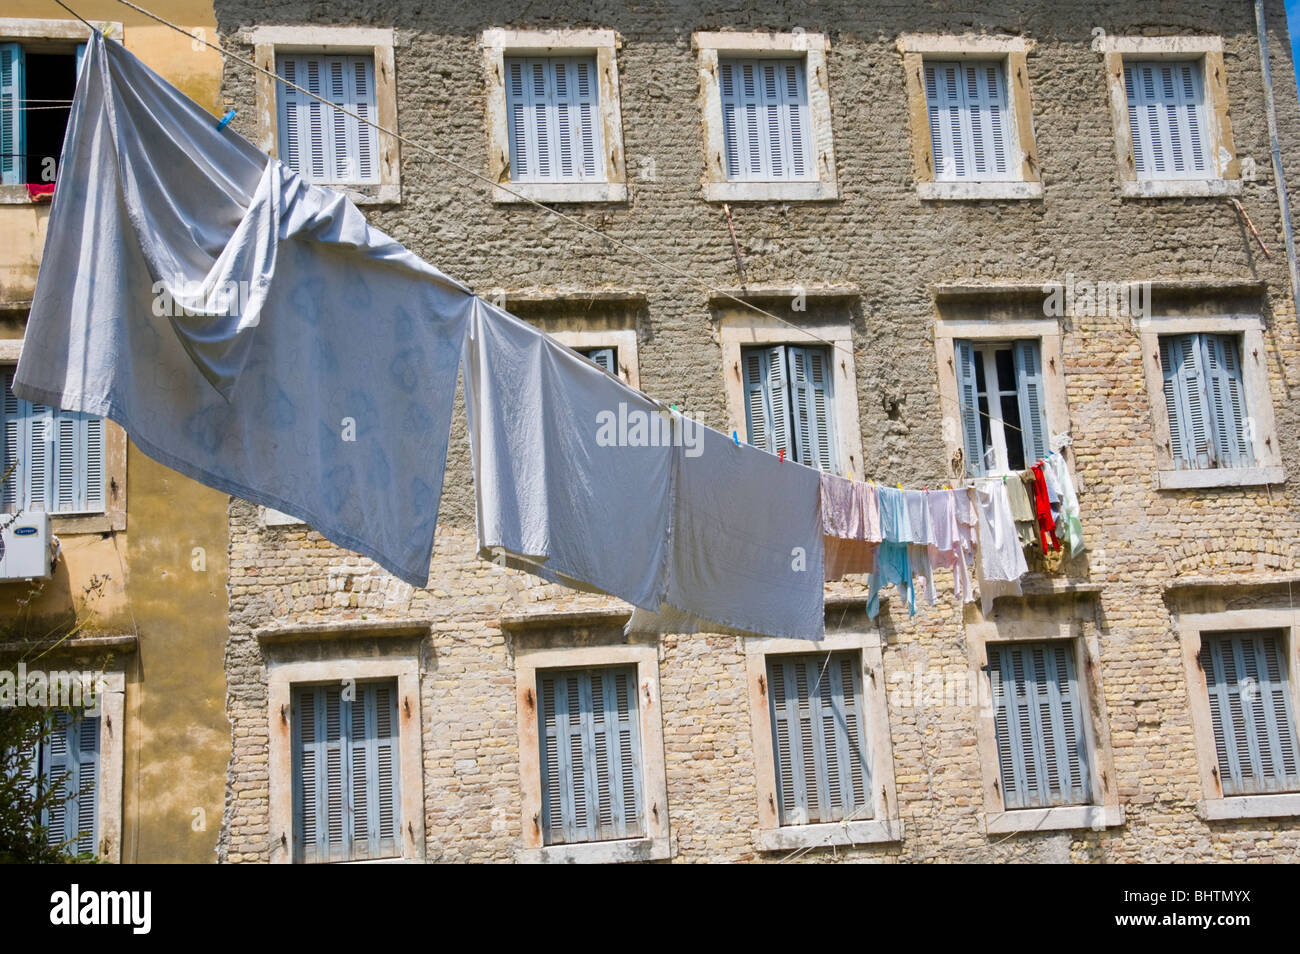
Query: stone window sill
{"type": "Point", "coordinates": [17, 195]}
{"type": "Point", "coordinates": [978, 191]}
{"type": "Point", "coordinates": [560, 192]}
{"type": "Point", "coordinates": [836, 833]}
{"type": "Point", "coordinates": [71, 523]}
{"type": "Point", "coordinates": [1178, 188]}
{"type": "Point", "coordinates": [770, 191]}
{"type": "Point", "coordinates": [1220, 477]}
{"type": "Point", "coordinates": [386, 193]}
{"type": "Point", "coordinates": [277, 518]}
{"type": "Point", "coordinates": [1249, 806]}
{"type": "Point", "coordinates": [600, 852]}
{"type": "Point", "coordinates": [1095, 817]}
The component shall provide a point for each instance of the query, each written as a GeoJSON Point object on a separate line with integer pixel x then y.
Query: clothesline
{"type": "Point", "coordinates": [572, 220]}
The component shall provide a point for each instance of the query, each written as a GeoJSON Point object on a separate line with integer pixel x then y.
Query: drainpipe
{"type": "Point", "coordinates": [1283, 199]}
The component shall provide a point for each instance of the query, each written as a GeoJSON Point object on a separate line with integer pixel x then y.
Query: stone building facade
{"type": "Point", "coordinates": [880, 251]}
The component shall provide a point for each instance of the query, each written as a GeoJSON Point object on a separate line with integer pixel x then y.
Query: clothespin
{"type": "Point", "coordinates": [735, 438]}
{"type": "Point", "coordinates": [899, 486]}
{"type": "Point", "coordinates": [675, 408]}
{"type": "Point", "coordinates": [780, 455]}
{"type": "Point", "coordinates": [225, 120]}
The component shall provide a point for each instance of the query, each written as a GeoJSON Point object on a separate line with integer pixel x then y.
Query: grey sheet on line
{"type": "Point", "coordinates": [573, 469]}
{"type": "Point", "coordinates": [259, 392]}
{"type": "Point", "coordinates": [747, 550]}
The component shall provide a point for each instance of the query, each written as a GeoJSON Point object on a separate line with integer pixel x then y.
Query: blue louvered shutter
{"type": "Point", "coordinates": [374, 781]}
{"type": "Point", "coordinates": [767, 399]}
{"type": "Point", "coordinates": [70, 767]}
{"type": "Point", "coordinates": [81, 55]}
{"type": "Point", "coordinates": [1033, 406]}
{"type": "Point", "coordinates": [969, 121]}
{"type": "Point", "coordinates": [1226, 395]}
{"type": "Point", "coordinates": [553, 119]}
{"type": "Point", "coordinates": [1166, 112]}
{"type": "Point", "coordinates": [766, 124]}
{"type": "Point", "coordinates": [810, 394]}
{"type": "Point", "coordinates": [320, 143]}
{"type": "Point", "coordinates": [590, 755]}
{"type": "Point", "coordinates": [1251, 713]}
{"type": "Point", "coordinates": [1038, 721]}
{"type": "Point", "coordinates": [13, 139]}
{"type": "Point", "coordinates": [605, 357]}
{"type": "Point", "coordinates": [57, 456]}
{"type": "Point", "coordinates": [972, 438]}
{"type": "Point", "coordinates": [818, 734]}
{"type": "Point", "coordinates": [1191, 440]}
{"type": "Point", "coordinates": [13, 439]}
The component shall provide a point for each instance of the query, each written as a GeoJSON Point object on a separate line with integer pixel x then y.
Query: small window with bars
{"type": "Point", "coordinates": [346, 776]}
{"type": "Point", "coordinates": [553, 119]}
{"type": "Point", "coordinates": [66, 763]}
{"type": "Point", "coordinates": [54, 459]}
{"type": "Point", "coordinates": [823, 773]}
{"type": "Point", "coordinates": [1166, 117]}
{"type": "Point", "coordinates": [1251, 711]}
{"type": "Point", "coordinates": [607, 358]}
{"type": "Point", "coordinates": [970, 122]}
{"type": "Point", "coordinates": [1205, 401]}
{"type": "Point", "coordinates": [317, 141]}
{"type": "Point", "coordinates": [766, 124]}
{"type": "Point", "coordinates": [1038, 720]}
{"type": "Point", "coordinates": [789, 403]}
{"type": "Point", "coordinates": [591, 767]}
{"type": "Point", "coordinates": [1002, 405]}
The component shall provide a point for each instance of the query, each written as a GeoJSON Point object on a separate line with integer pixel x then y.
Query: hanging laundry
{"type": "Point", "coordinates": [216, 312]}
{"type": "Point", "coordinates": [850, 526]}
{"type": "Point", "coordinates": [746, 550]}
{"type": "Point", "coordinates": [893, 566]}
{"type": "Point", "coordinates": [573, 470]}
{"type": "Point", "coordinates": [1070, 520]}
{"type": "Point", "coordinates": [1001, 557]}
{"type": "Point", "coordinates": [1043, 510]}
{"type": "Point", "coordinates": [920, 538]}
{"type": "Point", "coordinates": [946, 551]}
{"type": "Point", "coordinates": [1022, 510]}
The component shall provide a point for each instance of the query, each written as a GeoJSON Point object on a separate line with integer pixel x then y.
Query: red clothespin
{"type": "Point", "coordinates": [781, 455]}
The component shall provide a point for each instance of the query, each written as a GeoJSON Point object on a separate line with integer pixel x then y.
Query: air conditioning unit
{"type": "Point", "coordinates": [28, 546]}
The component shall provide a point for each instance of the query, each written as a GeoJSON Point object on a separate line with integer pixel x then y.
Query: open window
{"type": "Point", "coordinates": [37, 83]}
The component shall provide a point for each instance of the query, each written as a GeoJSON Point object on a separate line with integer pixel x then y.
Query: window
{"type": "Point", "coordinates": [969, 124]}
{"type": "Point", "coordinates": [554, 119]}
{"type": "Point", "coordinates": [320, 143]}
{"type": "Point", "coordinates": [67, 761]}
{"type": "Point", "coordinates": [57, 456]}
{"type": "Point", "coordinates": [765, 122]}
{"type": "Point", "coordinates": [1205, 400]}
{"type": "Point", "coordinates": [823, 773]}
{"type": "Point", "coordinates": [1002, 405]}
{"type": "Point", "coordinates": [346, 803]}
{"type": "Point", "coordinates": [1166, 115]}
{"type": "Point", "coordinates": [590, 755]}
{"type": "Point", "coordinates": [789, 403]}
{"type": "Point", "coordinates": [36, 90]}
{"type": "Point", "coordinates": [607, 358]}
{"type": "Point", "coordinates": [1038, 721]}
{"type": "Point", "coordinates": [1251, 711]}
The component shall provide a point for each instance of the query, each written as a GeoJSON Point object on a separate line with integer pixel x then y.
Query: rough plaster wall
{"type": "Point", "coordinates": [881, 238]}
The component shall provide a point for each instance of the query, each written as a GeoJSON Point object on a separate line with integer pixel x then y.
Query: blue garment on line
{"type": "Point", "coordinates": [893, 565]}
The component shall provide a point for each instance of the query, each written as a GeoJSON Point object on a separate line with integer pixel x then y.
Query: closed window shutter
{"type": "Point", "coordinates": [1166, 108]}
{"type": "Point", "coordinates": [13, 428]}
{"type": "Point", "coordinates": [553, 119]}
{"type": "Point", "coordinates": [968, 397]}
{"type": "Point", "coordinates": [1181, 359]}
{"type": "Point", "coordinates": [767, 129]}
{"type": "Point", "coordinates": [1227, 400]}
{"type": "Point", "coordinates": [13, 139]}
{"type": "Point", "coordinates": [767, 401]}
{"type": "Point", "coordinates": [57, 456]}
{"type": "Point", "coordinates": [319, 142]}
{"type": "Point", "coordinates": [1250, 712]}
{"type": "Point", "coordinates": [818, 733]}
{"type": "Point", "coordinates": [1038, 721]}
{"type": "Point", "coordinates": [969, 121]}
{"type": "Point", "coordinates": [590, 755]}
{"type": "Point", "coordinates": [70, 766]}
{"type": "Point", "coordinates": [811, 399]}
{"type": "Point", "coordinates": [1033, 407]}
{"type": "Point", "coordinates": [81, 55]}
{"type": "Point", "coordinates": [605, 357]}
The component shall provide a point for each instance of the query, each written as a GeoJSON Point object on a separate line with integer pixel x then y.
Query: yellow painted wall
{"type": "Point", "coordinates": [149, 578]}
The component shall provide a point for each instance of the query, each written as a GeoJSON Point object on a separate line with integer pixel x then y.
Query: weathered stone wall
{"type": "Point", "coordinates": [895, 248]}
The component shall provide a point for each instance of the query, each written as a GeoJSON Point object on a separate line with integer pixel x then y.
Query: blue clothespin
{"type": "Point", "coordinates": [225, 120]}
{"type": "Point", "coordinates": [735, 438]}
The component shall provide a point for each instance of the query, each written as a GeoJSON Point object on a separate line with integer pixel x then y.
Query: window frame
{"type": "Point", "coordinates": [985, 350]}
{"type": "Point", "coordinates": [497, 44]}
{"type": "Point", "coordinates": [1225, 174]}
{"type": "Point", "coordinates": [885, 825]}
{"type": "Point", "coordinates": [270, 41]}
{"type": "Point", "coordinates": [1214, 805]}
{"type": "Point", "coordinates": [1023, 179]}
{"type": "Point", "coordinates": [532, 657]}
{"type": "Point", "coordinates": [788, 352]}
{"type": "Point", "coordinates": [711, 47]}
{"type": "Point", "coordinates": [1268, 467]}
{"type": "Point", "coordinates": [622, 340]}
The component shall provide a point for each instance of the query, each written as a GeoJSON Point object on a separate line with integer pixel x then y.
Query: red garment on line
{"type": "Point", "coordinates": [1043, 509]}
{"type": "Point", "coordinates": [37, 191]}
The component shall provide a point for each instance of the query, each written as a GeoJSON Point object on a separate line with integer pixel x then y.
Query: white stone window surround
{"type": "Point", "coordinates": [739, 328]}
{"type": "Point", "coordinates": [1214, 806]}
{"type": "Point", "coordinates": [623, 341]}
{"type": "Point", "coordinates": [1209, 51]}
{"type": "Point", "coordinates": [1268, 467]}
{"type": "Point", "coordinates": [717, 188]}
{"type": "Point", "coordinates": [604, 44]}
{"type": "Point", "coordinates": [1105, 810]}
{"type": "Point", "coordinates": [1011, 52]}
{"type": "Point", "coordinates": [885, 823]}
{"type": "Point", "coordinates": [656, 845]}
{"type": "Point", "coordinates": [281, 678]}
{"type": "Point", "coordinates": [267, 41]}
